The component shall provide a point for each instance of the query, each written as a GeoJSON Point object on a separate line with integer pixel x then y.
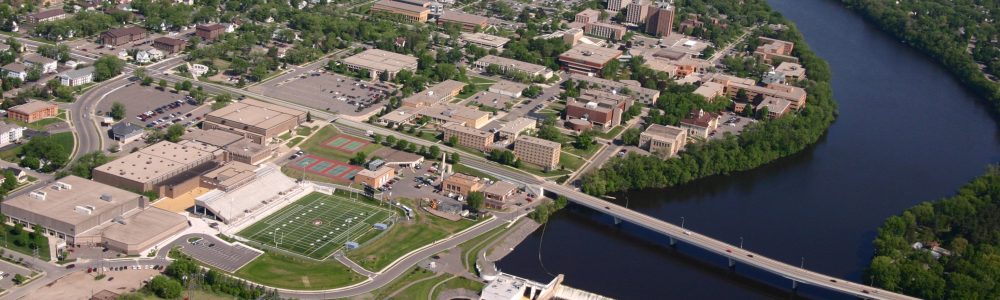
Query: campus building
{"type": "Point", "coordinates": [498, 195]}
{"type": "Point", "coordinates": [468, 22]}
{"type": "Point", "coordinates": [661, 20]}
{"type": "Point", "coordinates": [508, 88]}
{"type": "Point", "coordinates": [587, 59]}
{"type": "Point", "coordinates": [461, 184]}
{"type": "Point", "coordinates": [512, 65]}
{"type": "Point", "coordinates": [88, 213]}
{"type": "Point", "coordinates": [441, 92]}
{"type": "Point", "coordinates": [166, 168]}
{"type": "Point", "coordinates": [587, 16]}
{"type": "Point", "coordinates": [755, 93]}
{"type": "Point", "coordinates": [33, 111]}
{"type": "Point", "coordinates": [511, 130]}
{"type": "Point", "coordinates": [483, 40]}
{"type": "Point", "coordinates": [468, 137]}
{"type": "Point", "coordinates": [600, 108]}
{"type": "Point", "coordinates": [378, 61]}
{"type": "Point", "coordinates": [236, 146]}
{"type": "Point", "coordinates": [537, 151]}
{"type": "Point", "coordinates": [637, 12]}
{"type": "Point", "coordinates": [635, 90]}
{"type": "Point", "coordinates": [664, 140]}
{"type": "Point", "coordinates": [459, 115]}
{"type": "Point", "coordinates": [604, 30]}
{"type": "Point", "coordinates": [699, 124]}
{"type": "Point", "coordinates": [258, 121]}
{"type": "Point", "coordinates": [772, 50]}
{"type": "Point", "coordinates": [405, 11]}
{"type": "Point", "coordinates": [376, 178]}
{"type": "Point", "coordinates": [616, 5]}
{"type": "Point", "coordinates": [229, 176]}
{"type": "Point", "coordinates": [776, 107]}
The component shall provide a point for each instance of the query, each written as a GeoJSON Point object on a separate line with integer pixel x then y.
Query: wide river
{"type": "Point", "coordinates": [907, 132]}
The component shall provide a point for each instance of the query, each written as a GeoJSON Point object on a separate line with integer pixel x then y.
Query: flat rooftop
{"type": "Point", "coordinates": [383, 60]}
{"type": "Point", "coordinates": [150, 162]}
{"type": "Point", "coordinates": [256, 113]}
{"type": "Point", "coordinates": [214, 137]}
{"type": "Point", "coordinates": [591, 54]}
{"type": "Point", "coordinates": [466, 130]}
{"type": "Point", "coordinates": [61, 204]}
{"type": "Point", "coordinates": [512, 63]}
{"type": "Point", "coordinates": [231, 173]}
{"type": "Point", "coordinates": [461, 17]}
{"type": "Point", "coordinates": [538, 141]}
{"type": "Point", "coordinates": [31, 107]}
{"type": "Point", "coordinates": [485, 39]}
{"type": "Point", "coordinates": [143, 226]}
{"type": "Point", "coordinates": [664, 131]}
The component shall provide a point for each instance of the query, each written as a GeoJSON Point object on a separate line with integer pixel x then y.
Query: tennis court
{"type": "Point", "coordinates": [346, 143]}
{"type": "Point", "coordinates": [317, 225]}
{"type": "Point", "coordinates": [336, 170]}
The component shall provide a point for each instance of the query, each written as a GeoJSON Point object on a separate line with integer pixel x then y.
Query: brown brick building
{"type": "Point", "coordinates": [169, 45]}
{"type": "Point", "coordinates": [209, 32]}
{"type": "Point", "coordinates": [461, 184]}
{"type": "Point", "coordinates": [121, 36]}
{"type": "Point", "coordinates": [33, 111]}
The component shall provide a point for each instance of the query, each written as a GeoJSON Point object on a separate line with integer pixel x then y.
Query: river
{"type": "Point", "coordinates": [907, 132]}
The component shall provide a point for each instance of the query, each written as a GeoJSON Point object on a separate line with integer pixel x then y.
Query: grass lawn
{"type": "Point", "coordinates": [285, 136]}
{"type": "Point", "coordinates": [289, 272]}
{"type": "Point", "coordinates": [314, 145]}
{"type": "Point", "coordinates": [303, 130]}
{"type": "Point", "coordinates": [197, 294]}
{"type": "Point", "coordinates": [456, 283]}
{"type": "Point", "coordinates": [65, 139]}
{"type": "Point", "coordinates": [588, 153]}
{"type": "Point", "coordinates": [415, 274]}
{"type": "Point", "coordinates": [40, 124]}
{"type": "Point", "coordinates": [569, 161]}
{"type": "Point", "coordinates": [403, 238]}
{"type": "Point", "coordinates": [461, 168]}
{"type": "Point", "coordinates": [294, 141]}
{"type": "Point", "coordinates": [21, 242]}
{"type": "Point", "coordinates": [479, 84]}
{"type": "Point", "coordinates": [472, 247]}
{"type": "Point", "coordinates": [611, 133]}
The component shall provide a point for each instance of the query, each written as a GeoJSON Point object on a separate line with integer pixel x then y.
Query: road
{"type": "Point", "coordinates": [736, 254]}
{"type": "Point", "coordinates": [83, 116]}
{"type": "Point", "coordinates": [720, 53]}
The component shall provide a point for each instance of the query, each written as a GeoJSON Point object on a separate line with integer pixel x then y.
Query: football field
{"type": "Point", "coordinates": [317, 225]}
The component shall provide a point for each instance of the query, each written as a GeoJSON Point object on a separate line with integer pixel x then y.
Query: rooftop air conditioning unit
{"type": "Point", "coordinates": [63, 186]}
{"type": "Point", "coordinates": [40, 195]}
{"type": "Point", "coordinates": [106, 197]}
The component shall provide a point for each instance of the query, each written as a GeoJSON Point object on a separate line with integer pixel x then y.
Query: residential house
{"type": "Point", "coordinates": [16, 70]}
{"type": "Point", "coordinates": [77, 77]}
{"type": "Point", "coordinates": [10, 133]}
{"type": "Point", "coordinates": [45, 64]}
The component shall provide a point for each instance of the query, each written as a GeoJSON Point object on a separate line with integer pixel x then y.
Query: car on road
{"type": "Point", "coordinates": [687, 232]}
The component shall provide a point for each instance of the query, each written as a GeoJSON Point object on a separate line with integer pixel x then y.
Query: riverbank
{"type": "Point", "coordinates": [953, 44]}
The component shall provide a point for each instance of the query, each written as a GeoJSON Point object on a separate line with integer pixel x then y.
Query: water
{"type": "Point", "coordinates": [907, 132]}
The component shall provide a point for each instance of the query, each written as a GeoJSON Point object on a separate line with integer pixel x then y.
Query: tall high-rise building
{"type": "Point", "coordinates": [616, 5]}
{"type": "Point", "coordinates": [637, 12]}
{"type": "Point", "coordinates": [661, 19]}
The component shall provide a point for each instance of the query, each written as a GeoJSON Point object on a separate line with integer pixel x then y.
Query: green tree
{"type": "Point", "coordinates": [359, 158]}
{"type": "Point", "coordinates": [174, 132]}
{"type": "Point", "coordinates": [117, 111]}
{"type": "Point", "coordinates": [165, 287]}
{"type": "Point", "coordinates": [631, 136]}
{"type": "Point", "coordinates": [434, 151]}
{"type": "Point", "coordinates": [453, 141]}
{"type": "Point", "coordinates": [107, 67]}
{"type": "Point", "coordinates": [390, 140]}
{"type": "Point", "coordinates": [163, 84]}
{"type": "Point", "coordinates": [476, 200]}
{"type": "Point", "coordinates": [377, 138]}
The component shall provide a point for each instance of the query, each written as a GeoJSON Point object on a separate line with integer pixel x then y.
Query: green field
{"type": "Point", "coordinates": [284, 271]}
{"type": "Point", "coordinates": [403, 238]}
{"type": "Point", "coordinates": [317, 225]}
{"type": "Point", "coordinates": [316, 145]}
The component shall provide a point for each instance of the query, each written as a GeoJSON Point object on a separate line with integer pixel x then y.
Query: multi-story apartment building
{"type": "Point", "coordinates": [537, 151]}
{"type": "Point", "coordinates": [468, 137]}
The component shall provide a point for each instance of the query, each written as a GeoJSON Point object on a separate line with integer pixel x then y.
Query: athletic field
{"type": "Point", "coordinates": [317, 225]}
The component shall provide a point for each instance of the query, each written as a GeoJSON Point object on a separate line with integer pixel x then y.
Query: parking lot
{"type": "Point", "coordinates": [90, 46]}
{"type": "Point", "coordinates": [81, 284]}
{"type": "Point", "coordinates": [220, 255]}
{"type": "Point", "coordinates": [7, 271]}
{"type": "Point", "coordinates": [319, 89]}
{"type": "Point", "coordinates": [729, 122]}
{"type": "Point", "coordinates": [162, 107]}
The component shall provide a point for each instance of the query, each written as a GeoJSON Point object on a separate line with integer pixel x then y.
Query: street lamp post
{"type": "Point", "coordinates": [682, 222]}
{"type": "Point", "coordinates": [741, 242]}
